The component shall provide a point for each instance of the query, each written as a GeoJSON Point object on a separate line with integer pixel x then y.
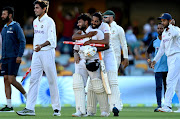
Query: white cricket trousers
{"type": "Point", "coordinates": [43, 61]}
{"type": "Point", "coordinates": [173, 79]}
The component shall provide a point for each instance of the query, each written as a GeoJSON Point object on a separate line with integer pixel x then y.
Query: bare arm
{"type": "Point", "coordinates": [38, 47]}
{"type": "Point", "coordinates": [78, 35]}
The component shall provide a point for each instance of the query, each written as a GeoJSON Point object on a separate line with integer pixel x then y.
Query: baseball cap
{"type": "Point", "coordinates": [109, 12]}
{"type": "Point", "coordinates": [165, 16]}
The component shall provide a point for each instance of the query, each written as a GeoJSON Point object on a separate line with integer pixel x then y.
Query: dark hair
{"type": "Point", "coordinates": [159, 23]}
{"type": "Point", "coordinates": [99, 15]}
{"type": "Point", "coordinates": [42, 4]}
{"type": "Point", "coordinates": [9, 9]}
{"type": "Point", "coordinates": [85, 17]}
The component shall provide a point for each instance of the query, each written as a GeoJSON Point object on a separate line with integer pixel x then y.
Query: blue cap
{"type": "Point", "coordinates": [165, 16]}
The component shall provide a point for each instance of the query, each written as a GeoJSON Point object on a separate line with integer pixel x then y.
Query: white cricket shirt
{"type": "Point", "coordinates": [117, 39]}
{"type": "Point", "coordinates": [44, 30]}
{"type": "Point", "coordinates": [170, 42]}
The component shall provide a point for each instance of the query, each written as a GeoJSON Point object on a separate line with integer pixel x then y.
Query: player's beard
{"type": "Point", "coordinates": [95, 26]}
{"type": "Point", "coordinates": [83, 27]}
{"type": "Point", "coordinates": [166, 26]}
{"type": "Point", "coordinates": [6, 20]}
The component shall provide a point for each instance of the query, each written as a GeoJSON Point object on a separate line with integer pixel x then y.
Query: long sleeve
{"type": "Point", "coordinates": [160, 52]}
{"type": "Point", "coordinates": [22, 40]}
{"type": "Point", "coordinates": [123, 42]}
{"type": "Point", "coordinates": [52, 34]}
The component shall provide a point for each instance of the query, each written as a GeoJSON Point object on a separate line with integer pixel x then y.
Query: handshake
{"type": "Point", "coordinates": [89, 51]}
{"type": "Point", "coordinates": [151, 64]}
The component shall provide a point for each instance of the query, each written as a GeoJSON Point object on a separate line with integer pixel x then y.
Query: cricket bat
{"type": "Point", "coordinates": [104, 75]}
{"type": "Point", "coordinates": [26, 74]}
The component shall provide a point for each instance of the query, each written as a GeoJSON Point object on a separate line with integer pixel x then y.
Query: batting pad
{"type": "Point", "coordinates": [114, 98]}
{"type": "Point", "coordinates": [79, 92]}
{"type": "Point", "coordinates": [91, 99]}
{"type": "Point", "coordinates": [101, 95]}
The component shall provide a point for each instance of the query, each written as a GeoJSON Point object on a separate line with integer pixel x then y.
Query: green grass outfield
{"type": "Point", "coordinates": [127, 113]}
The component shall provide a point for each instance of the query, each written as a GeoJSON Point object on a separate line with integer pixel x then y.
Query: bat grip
{"type": "Point", "coordinates": [100, 55]}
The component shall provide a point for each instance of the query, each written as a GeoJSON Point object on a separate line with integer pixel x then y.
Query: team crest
{"type": "Point", "coordinates": [10, 28]}
{"type": "Point", "coordinates": [169, 34]}
{"type": "Point", "coordinates": [42, 26]}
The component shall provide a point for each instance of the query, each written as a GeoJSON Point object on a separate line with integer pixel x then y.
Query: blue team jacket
{"type": "Point", "coordinates": [13, 40]}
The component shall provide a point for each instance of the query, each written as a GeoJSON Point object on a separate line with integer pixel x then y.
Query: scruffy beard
{"type": "Point", "coordinates": [6, 20]}
{"type": "Point", "coordinates": [82, 28]}
{"type": "Point", "coordinates": [96, 26]}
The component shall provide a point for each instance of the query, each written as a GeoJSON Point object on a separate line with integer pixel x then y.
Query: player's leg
{"type": "Point", "coordinates": [91, 100]}
{"type": "Point", "coordinates": [158, 79]}
{"type": "Point", "coordinates": [79, 82]}
{"type": "Point", "coordinates": [177, 90]}
{"type": "Point", "coordinates": [114, 99]}
{"type": "Point", "coordinates": [36, 74]}
{"type": "Point", "coordinates": [164, 81]}
{"type": "Point", "coordinates": [49, 67]}
{"type": "Point", "coordinates": [7, 86]}
{"type": "Point", "coordinates": [100, 91]}
{"type": "Point", "coordinates": [172, 79]}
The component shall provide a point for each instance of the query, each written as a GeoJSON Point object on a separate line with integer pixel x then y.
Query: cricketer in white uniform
{"type": "Point", "coordinates": [111, 68]}
{"type": "Point", "coordinates": [117, 38]}
{"type": "Point", "coordinates": [43, 59]}
{"type": "Point", "coordinates": [88, 55]}
{"type": "Point", "coordinates": [170, 45]}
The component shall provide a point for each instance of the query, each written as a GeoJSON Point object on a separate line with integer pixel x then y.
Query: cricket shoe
{"type": "Point", "coordinates": [56, 113]}
{"type": "Point", "coordinates": [115, 111]}
{"type": "Point", "coordinates": [165, 109]}
{"type": "Point", "coordinates": [26, 112]}
{"type": "Point", "coordinates": [7, 109]}
{"type": "Point", "coordinates": [89, 114]}
{"type": "Point", "coordinates": [105, 114]}
{"type": "Point", "coordinates": [77, 114]}
{"type": "Point", "coordinates": [177, 111]}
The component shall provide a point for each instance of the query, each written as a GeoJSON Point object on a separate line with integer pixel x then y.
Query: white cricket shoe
{"type": "Point", "coordinates": [77, 114]}
{"type": "Point", "coordinates": [165, 109]}
{"type": "Point", "coordinates": [104, 114]}
{"type": "Point", "coordinates": [56, 113]}
{"type": "Point", "coordinates": [177, 111]}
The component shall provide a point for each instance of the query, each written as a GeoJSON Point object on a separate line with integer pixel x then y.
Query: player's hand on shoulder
{"type": "Point", "coordinates": [37, 48]}
{"type": "Point", "coordinates": [92, 33]}
{"type": "Point", "coordinates": [18, 60]}
{"type": "Point", "coordinates": [172, 22]}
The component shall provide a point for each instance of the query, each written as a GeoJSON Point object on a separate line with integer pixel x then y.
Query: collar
{"type": "Point", "coordinates": [13, 22]}
{"type": "Point", "coordinates": [43, 17]}
{"type": "Point", "coordinates": [113, 23]}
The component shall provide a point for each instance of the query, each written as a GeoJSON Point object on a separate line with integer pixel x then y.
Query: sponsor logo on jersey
{"type": "Point", "coordinates": [165, 40]}
{"type": "Point", "coordinates": [38, 31]}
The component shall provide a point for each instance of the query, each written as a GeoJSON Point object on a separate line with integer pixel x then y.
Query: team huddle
{"type": "Point", "coordinates": [95, 67]}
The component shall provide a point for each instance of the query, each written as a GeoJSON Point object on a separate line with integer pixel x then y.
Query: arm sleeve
{"type": "Point", "coordinates": [160, 52]}
{"type": "Point", "coordinates": [52, 34]}
{"type": "Point", "coordinates": [106, 28]}
{"type": "Point", "coordinates": [150, 48]}
{"type": "Point", "coordinates": [174, 31]}
{"type": "Point", "coordinates": [123, 42]}
{"type": "Point", "coordinates": [22, 40]}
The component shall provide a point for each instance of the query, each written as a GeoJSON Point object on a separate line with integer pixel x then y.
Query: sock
{"type": "Point", "coordinates": [25, 95]}
{"type": "Point", "coordinates": [9, 103]}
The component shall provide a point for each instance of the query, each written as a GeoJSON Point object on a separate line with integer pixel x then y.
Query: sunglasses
{"type": "Point", "coordinates": [107, 16]}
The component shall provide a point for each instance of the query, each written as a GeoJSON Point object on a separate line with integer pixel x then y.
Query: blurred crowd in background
{"type": "Point", "coordinates": [138, 37]}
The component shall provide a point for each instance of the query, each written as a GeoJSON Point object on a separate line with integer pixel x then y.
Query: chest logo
{"type": "Point", "coordinates": [42, 26]}
{"type": "Point", "coordinates": [169, 34]}
{"type": "Point", "coordinates": [113, 32]}
{"type": "Point", "coordinates": [10, 28]}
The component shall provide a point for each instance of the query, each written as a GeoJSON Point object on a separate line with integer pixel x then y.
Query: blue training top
{"type": "Point", "coordinates": [13, 40]}
{"type": "Point", "coordinates": [161, 65]}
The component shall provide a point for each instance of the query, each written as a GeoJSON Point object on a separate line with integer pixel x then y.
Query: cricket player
{"type": "Point", "coordinates": [111, 68]}
{"type": "Point", "coordinates": [161, 67]}
{"type": "Point", "coordinates": [117, 38]}
{"type": "Point", "coordinates": [13, 45]}
{"type": "Point", "coordinates": [43, 59]}
{"type": "Point", "coordinates": [170, 45]}
{"type": "Point", "coordinates": [88, 65]}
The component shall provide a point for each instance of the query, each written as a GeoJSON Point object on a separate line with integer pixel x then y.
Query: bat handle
{"type": "Point", "coordinates": [100, 55]}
